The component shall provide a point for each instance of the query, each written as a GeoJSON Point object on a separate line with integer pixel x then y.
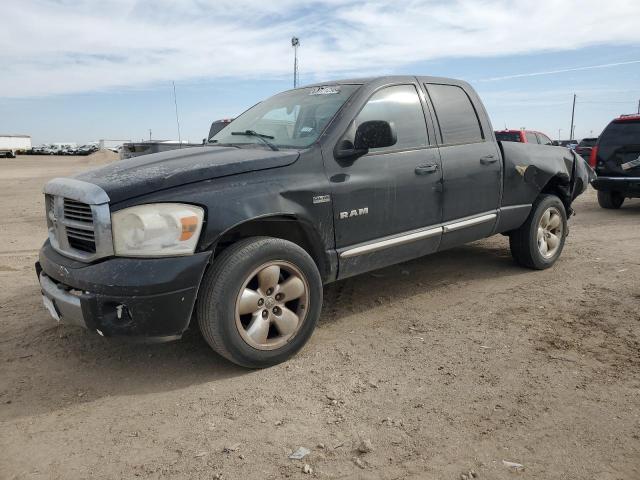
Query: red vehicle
{"type": "Point", "coordinates": [523, 136]}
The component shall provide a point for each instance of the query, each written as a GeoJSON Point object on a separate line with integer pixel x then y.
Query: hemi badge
{"type": "Point", "coordinates": [321, 199]}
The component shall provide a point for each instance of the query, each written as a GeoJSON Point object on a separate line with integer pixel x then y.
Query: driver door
{"type": "Point", "coordinates": [385, 201]}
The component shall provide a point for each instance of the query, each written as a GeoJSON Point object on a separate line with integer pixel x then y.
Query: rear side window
{"type": "Point", "coordinates": [531, 137]}
{"type": "Point", "coordinates": [620, 134]}
{"type": "Point", "coordinates": [543, 139]}
{"type": "Point", "coordinates": [400, 106]}
{"type": "Point", "coordinates": [457, 117]}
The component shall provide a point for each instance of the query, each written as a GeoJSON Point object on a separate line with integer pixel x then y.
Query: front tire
{"type": "Point", "coordinates": [610, 200]}
{"type": "Point", "coordinates": [538, 243]}
{"type": "Point", "coordinates": [260, 301]}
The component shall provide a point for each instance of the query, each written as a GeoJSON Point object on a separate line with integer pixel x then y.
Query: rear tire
{"type": "Point", "coordinates": [260, 301]}
{"type": "Point", "coordinates": [610, 200]}
{"type": "Point", "coordinates": [538, 243]}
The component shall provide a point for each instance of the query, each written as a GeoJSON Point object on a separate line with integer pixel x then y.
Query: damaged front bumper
{"type": "Point", "coordinates": [147, 297]}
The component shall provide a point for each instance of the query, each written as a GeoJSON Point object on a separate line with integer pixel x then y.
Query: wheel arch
{"type": "Point", "coordinates": [559, 186]}
{"type": "Point", "coordinates": [285, 226]}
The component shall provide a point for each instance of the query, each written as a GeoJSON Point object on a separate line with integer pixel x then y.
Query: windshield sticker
{"type": "Point", "coordinates": [333, 90]}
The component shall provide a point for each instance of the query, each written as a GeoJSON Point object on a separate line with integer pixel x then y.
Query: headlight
{"type": "Point", "coordinates": [156, 230]}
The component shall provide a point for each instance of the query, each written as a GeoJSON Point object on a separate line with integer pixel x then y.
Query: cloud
{"type": "Point", "coordinates": [564, 70]}
{"type": "Point", "coordinates": [59, 47]}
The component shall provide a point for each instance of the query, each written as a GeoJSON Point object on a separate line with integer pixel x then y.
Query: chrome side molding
{"type": "Point", "coordinates": [391, 242]}
{"type": "Point", "coordinates": [416, 235]}
{"type": "Point", "coordinates": [452, 227]}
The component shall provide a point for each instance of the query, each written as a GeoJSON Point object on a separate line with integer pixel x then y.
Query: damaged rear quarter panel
{"type": "Point", "coordinates": [530, 168]}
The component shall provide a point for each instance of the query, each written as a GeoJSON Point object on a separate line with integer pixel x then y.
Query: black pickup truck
{"type": "Point", "coordinates": [309, 186]}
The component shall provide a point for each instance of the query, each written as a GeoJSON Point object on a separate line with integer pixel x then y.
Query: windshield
{"type": "Point", "coordinates": [292, 119]}
{"type": "Point", "coordinates": [508, 136]}
{"type": "Point", "coordinates": [588, 142]}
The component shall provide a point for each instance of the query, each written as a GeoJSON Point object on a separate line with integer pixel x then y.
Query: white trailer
{"type": "Point", "coordinates": [12, 144]}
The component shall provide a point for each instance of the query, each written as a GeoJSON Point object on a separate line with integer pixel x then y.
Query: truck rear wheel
{"type": "Point", "coordinates": [260, 301]}
{"type": "Point", "coordinates": [610, 200]}
{"type": "Point", "coordinates": [538, 243]}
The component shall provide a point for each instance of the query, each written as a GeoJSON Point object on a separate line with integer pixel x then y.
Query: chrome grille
{"type": "Point", "coordinates": [83, 240]}
{"type": "Point", "coordinates": [74, 210]}
{"type": "Point", "coordinates": [79, 219]}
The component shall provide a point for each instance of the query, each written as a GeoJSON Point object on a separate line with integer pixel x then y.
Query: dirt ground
{"type": "Point", "coordinates": [450, 363]}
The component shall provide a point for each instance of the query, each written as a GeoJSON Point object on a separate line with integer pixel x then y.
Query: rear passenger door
{"type": "Point", "coordinates": [471, 165]}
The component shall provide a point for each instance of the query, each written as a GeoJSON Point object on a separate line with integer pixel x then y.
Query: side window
{"type": "Point", "coordinates": [544, 140]}
{"type": "Point", "coordinates": [399, 105]}
{"type": "Point", "coordinates": [531, 137]}
{"type": "Point", "coordinates": [456, 115]}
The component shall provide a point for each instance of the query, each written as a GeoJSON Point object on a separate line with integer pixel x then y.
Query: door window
{"type": "Point", "coordinates": [531, 137]}
{"type": "Point", "coordinates": [543, 139]}
{"type": "Point", "coordinates": [400, 106]}
{"type": "Point", "coordinates": [456, 114]}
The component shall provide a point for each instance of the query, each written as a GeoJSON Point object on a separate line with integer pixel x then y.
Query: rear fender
{"type": "Point", "coordinates": [534, 169]}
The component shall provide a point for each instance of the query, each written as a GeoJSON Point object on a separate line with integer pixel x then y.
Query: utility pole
{"type": "Point", "coordinates": [573, 112]}
{"type": "Point", "coordinates": [295, 43]}
{"type": "Point", "coordinates": [559, 130]}
{"type": "Point", "coordinates": [175, 101]}
{"type": "Point", "coordinates": [149, 134]}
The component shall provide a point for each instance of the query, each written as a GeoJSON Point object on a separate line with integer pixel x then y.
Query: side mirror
{"type": "Point", "coordinates": [375, 134]}
{"type": "Point", "coordinates": [371, 134]}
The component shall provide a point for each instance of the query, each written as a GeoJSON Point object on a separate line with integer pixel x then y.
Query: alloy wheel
{"type": "Point", "coordinates": [272, 305]}
{"type": "Point", "coordinates": [550, 231]}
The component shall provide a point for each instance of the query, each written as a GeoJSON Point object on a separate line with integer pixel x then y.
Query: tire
{"type": "Point", "coordinates": [536, 245]}
{"type": "Point", "coordinates": [249, 266]}
{"type": "Point", "coordinates": [610, 200]}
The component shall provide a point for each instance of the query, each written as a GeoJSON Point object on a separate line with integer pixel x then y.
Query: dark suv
{"type": "Point", "coordinates": [585, 146]}
{"type": "Point", "coordinates": [616, 160]}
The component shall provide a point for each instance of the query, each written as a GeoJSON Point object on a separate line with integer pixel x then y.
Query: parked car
{"type": "Point", "coordinates": [523, 136]}
{"type": "Point", "coordinates": [616, 160]}
{"type": "Point", "coordinates": [217, 126]}
{"type": "Point", "coordinates": [585, 146]}
{"type": "Point", "coordinates": [86, 149]}
{"type": "Point", "coordinates": [307, 187]}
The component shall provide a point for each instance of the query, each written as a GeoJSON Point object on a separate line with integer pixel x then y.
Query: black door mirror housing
{"type": "Point", "coordinates": [370, 134]}
{"type": "Point", "coordinates": [375, 134]}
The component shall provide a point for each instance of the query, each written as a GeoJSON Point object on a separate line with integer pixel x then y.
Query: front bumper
{"type": "Point", "coordinates": [628, 186]}
{"type": "Point", "coordinates": [151, 297]}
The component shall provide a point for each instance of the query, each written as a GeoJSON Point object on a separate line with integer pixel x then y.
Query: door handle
{"type": "Point", "coordinates": [426, 169]}
{"type": "Point", "coordinates": [488, 159]}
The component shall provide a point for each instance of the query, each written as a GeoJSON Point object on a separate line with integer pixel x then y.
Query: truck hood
{"type": "Point", "coordinates": [149, 173]}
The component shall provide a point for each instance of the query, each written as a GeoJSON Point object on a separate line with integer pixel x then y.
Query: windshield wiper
{"type": "Point", "coordinates": [261, 136]}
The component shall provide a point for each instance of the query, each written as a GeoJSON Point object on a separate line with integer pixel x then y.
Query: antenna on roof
{"type": "Point", "coordinates": [175, 101]}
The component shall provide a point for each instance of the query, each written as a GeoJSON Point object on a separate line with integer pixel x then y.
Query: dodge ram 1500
{"type": "Point", "coordinates": [309, 186]}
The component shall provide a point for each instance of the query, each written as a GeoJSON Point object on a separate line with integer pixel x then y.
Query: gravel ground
{"type": "Point", "coordinates": [450, 363]}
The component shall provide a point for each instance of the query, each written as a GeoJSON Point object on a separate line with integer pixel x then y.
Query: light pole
{"type": "Point", "coordinates": [573, 113]}
{"type": "Point", "coordinates": [295, 43]}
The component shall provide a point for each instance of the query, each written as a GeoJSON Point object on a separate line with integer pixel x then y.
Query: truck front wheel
{"type": "Point", "coordinates": [610, 200]}
{"type": "Point", "coordinates": [538, 243]}
{"type": "Point", "coordinates": [260, 301]}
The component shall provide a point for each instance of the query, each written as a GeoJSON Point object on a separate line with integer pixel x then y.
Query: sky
{"type": "Point", "coordinates": [80, 71]}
